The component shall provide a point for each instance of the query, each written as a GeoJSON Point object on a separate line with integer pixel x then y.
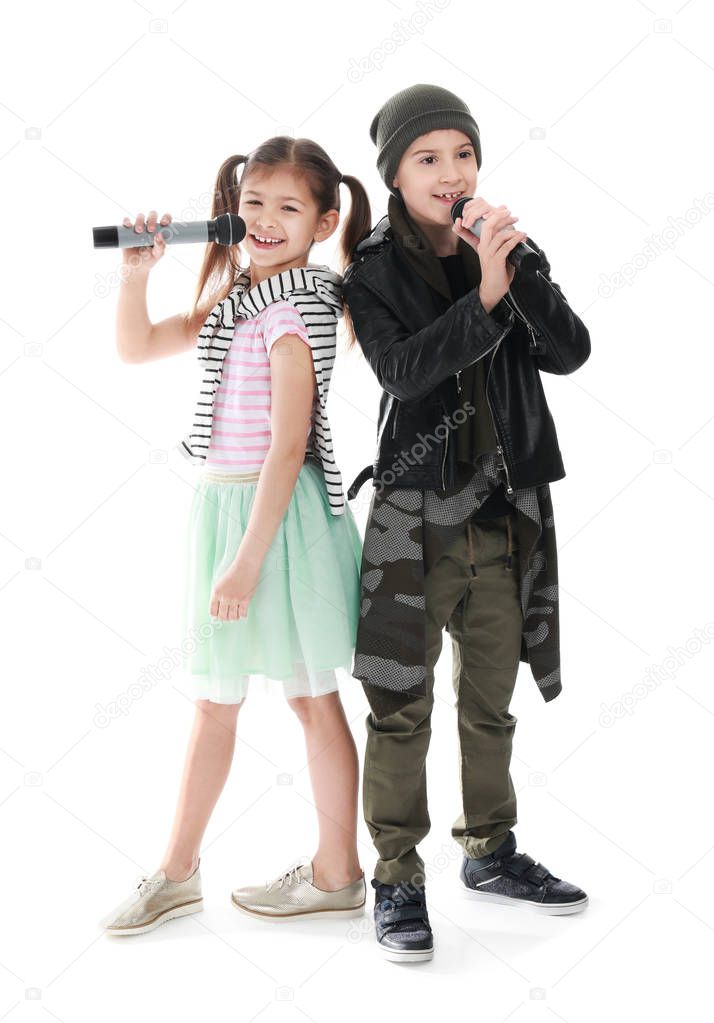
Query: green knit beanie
{"type": "Point", "coordinates": [414, 112]}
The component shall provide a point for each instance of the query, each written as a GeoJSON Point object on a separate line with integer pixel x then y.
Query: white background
{"type": "Point", "coordinates": [595, 127]}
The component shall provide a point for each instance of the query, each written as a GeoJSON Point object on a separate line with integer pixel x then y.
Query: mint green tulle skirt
{"type": "Point", "coordinates": [301, 622]}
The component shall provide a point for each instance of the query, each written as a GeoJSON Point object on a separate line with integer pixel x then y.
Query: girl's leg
{"type": "Point", "coordinates": [208, 761]}
{"type": "Point", "coordinates": [333, 762]}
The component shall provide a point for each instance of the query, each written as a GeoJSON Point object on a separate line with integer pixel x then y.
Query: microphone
{"type": "Point", "coordinates": [522, 257]}
{"type": "Point", "coordinates": [226, 229]}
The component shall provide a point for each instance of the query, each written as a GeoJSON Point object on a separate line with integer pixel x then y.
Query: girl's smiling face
{"type": "Point", "coordinates": [281, 219]}
{"type": "Point", "coordinates": [437, 163]}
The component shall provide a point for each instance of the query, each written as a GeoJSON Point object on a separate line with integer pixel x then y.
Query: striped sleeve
{"type": "Point", "coordinates": [282, 318]}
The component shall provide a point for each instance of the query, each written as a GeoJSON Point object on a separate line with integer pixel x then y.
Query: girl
{"type": "Point", "coordinates": [274, 552]}
{"type": "Point", "coordinates": [466, 450]}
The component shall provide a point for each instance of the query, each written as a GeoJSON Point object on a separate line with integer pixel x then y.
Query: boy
{"type": "Point", "coordinates": [466, 450]}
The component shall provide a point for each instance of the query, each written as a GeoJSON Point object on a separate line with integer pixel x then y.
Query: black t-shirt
{"type": "Point", "coordinates": [496, 504]}
{"type": "Point", "coordinates": [456, 274]}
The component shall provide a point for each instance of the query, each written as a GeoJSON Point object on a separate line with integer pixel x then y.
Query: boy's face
{"type": "Point", "coordinates": [442, 161]}
{"type": "Point", "coordinates": [277, 204]}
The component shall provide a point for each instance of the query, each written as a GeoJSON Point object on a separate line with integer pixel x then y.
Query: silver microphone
{"type": "Point", "coordinates": [226, 229]}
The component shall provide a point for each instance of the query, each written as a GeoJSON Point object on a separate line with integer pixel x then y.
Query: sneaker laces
{"type": "Point", "coordinates": [293, 874]}
{"type": "Point", "coordinates": [148, 884]}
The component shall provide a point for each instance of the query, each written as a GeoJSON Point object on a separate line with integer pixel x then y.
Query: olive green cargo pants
{"type": "Point", "coordinates": [483, 616]}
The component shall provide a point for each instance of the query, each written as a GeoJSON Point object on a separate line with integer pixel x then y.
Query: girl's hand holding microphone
{"type": "Point", "coordinates": [493, 247]}
{"type": "Point", "coordinates": [145, 257]}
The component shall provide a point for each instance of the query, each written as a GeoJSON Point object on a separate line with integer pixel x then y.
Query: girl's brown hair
{"type": "Point", "coordinates": [310, 161]}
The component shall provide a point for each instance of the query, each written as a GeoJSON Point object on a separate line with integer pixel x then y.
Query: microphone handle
{"type": "Point", "coordinates": [176, 233]}
{"type": "Point", "coordinates": [522, 257]}
{"type": "Point", "coordinates": [225, 229]}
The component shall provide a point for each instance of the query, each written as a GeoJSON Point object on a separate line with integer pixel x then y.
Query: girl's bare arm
{"type": "Point", "coordinates": [138, 339]}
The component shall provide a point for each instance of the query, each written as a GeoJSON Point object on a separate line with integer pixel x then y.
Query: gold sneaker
{"type": "Point", "coordinates": [155, 900]}
{"type": "Point", "coordinates": [293, 895]}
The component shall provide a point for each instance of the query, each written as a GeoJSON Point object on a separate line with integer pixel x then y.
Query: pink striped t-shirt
{"type": "Point", "coordinates": [240, 432]}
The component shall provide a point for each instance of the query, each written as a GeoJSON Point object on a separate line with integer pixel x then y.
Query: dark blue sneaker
{"type": "Point", "coordinates": [516, 879]}
{"type": "Point", "coordinates": [402, 922]}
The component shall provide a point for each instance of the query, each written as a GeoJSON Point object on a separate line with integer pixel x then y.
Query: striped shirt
{"type": "Point", "coordinates": [315, 292]}
{"type": "Point", "coordinates": [241, 433]}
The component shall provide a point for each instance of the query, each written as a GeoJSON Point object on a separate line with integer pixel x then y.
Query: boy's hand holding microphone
{"type": "Point", "coordinates": [493, 246]}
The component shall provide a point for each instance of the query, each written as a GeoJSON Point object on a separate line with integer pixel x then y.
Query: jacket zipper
{"type": "Point", "coordinates": [446, 441]}
{"type": "Point", "coordinates": [443, 462]}
{"type": "Point", "coordinates": [531, 329]}
{"type": "Point", "coordinates": [500, 450]}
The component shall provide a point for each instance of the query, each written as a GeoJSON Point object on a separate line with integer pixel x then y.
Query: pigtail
{"type": "Point", "coordinates": [356, 227]}
{"type": "Point", "coordinates": [220, 262]}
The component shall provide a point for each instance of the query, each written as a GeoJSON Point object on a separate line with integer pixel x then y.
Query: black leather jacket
{"type": "Point", "coordinates": [416, 343]}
